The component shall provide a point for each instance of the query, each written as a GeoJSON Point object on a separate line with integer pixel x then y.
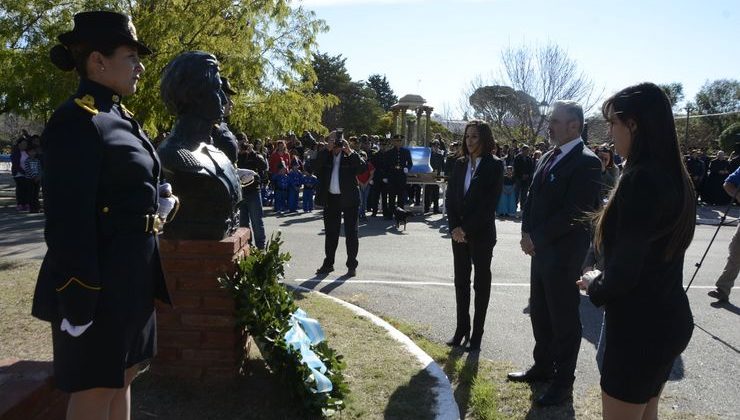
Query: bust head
{"type": "Point", "coordinates": [191, 86]}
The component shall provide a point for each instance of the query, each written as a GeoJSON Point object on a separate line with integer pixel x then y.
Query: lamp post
{"type": "Point", "coordinates": [542, 107]}
{"type": "Point", "coordinates": [686, 136]}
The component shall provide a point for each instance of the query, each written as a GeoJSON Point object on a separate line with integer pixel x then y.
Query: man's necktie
{"type": "Point", "coordinates": [548, 164]}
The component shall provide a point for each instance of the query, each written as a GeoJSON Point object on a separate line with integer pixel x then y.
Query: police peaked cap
{"type": "Point", "coordinates": [103, 28]}
{"type": "Point", "coordinates": [226, 86]}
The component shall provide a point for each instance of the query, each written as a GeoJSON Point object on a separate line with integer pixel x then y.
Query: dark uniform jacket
{"type": "Point", "coordinates": [396, 159]}
{"type": "Point", "coordinates": [437, 162]}
{"type": "Point", "coordinates": [101, 182]}
{"type": "Point", "coordinates": [225, 140]}
{"type": "Point", "coordinates": [349, 167]}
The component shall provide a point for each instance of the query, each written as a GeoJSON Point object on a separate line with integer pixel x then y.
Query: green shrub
{"type": "Point", "coordinates": [263, 309]}
{"type": "Point", "coordinates": [729, 137]}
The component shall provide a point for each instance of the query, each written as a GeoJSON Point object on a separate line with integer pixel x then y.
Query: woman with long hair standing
{"type": "Point", "coordinates": [472, 195]}
{"type": "Point", "coordinates": [102, 270]}
{"type": "Point", "coordinates": [642, 234]}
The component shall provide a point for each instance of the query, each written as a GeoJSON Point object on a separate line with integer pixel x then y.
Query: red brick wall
{"type": "Point", "coordinates": [198, 337]}
{"type": "Point", "coordinates": [27, 391]}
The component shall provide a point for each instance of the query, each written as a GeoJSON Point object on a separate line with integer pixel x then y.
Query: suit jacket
{"type": "Point", "coordinates": [349, 167]}
{"type": "Point", "coordinates": [554, 214]}
{"type": "Point", "coordinates": [475, 211]}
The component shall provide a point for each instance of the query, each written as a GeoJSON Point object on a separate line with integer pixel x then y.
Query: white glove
{"type": "Point", "coordinates": [370, 182]}
{"type": "Point", "coordinates": [165, 190]}
{"type": "Point", "coordinates": [385, 180]}
{"type": "Point", "coordinates": [74, 330]}
{"type": "Point", "coordinates": [246, 176]}
{"type": "Point", "coordinates": [405, 170]}
{"type": "Point", "coordinates": [587, 278]}
{"type": "Point", "coordinates": [166, 204]}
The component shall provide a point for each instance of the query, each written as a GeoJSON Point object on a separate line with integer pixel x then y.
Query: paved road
{"type": "Point", "coordinates": [407, 275]}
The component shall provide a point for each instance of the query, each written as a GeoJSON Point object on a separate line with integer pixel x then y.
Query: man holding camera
{"type": "Point", "coordinates": [338, 192]}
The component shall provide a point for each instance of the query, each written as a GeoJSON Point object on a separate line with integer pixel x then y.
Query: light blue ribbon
{"type": "Point", "coordinates": [303, 333]}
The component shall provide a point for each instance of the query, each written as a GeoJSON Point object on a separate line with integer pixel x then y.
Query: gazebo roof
{"type": "Point", "coordinates": [411, 100]}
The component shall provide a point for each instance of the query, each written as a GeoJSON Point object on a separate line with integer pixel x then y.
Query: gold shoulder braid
{"type": "Point", "coordinates": [126, 110]}
{"type": "Point", "coordinates": [87, 103]}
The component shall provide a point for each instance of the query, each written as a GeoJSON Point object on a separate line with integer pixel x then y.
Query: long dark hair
{"type": "Point", "coordinates": [654, 145]}
{"type": "Point", "coordinates": [485, 137]}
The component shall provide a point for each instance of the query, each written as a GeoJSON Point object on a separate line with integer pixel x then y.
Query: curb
{"type": "Point", "coordinates": [715, 222]}
{"type": "Point", "coordinates": [446, 407]}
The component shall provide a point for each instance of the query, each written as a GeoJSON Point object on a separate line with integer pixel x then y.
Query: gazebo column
{"type": "Point", "coordinates": [419, 112]}
{"type": "Point", "coordinates": [429, 125]}
{"type": "Point", "coordinates": [403, 120]}
{"type": "Point", "coordinates": [394, 128]}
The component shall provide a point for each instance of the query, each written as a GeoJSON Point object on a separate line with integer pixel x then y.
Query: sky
{"type": "Point", "coordinates": [435, 48]}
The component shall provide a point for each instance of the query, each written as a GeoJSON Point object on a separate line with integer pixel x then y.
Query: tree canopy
{"type": "Point", "coordinates": [383, 92]}
{"type": "Point", "coordinates": [530, 76]}
{"type": "Point", "coordinates": [264, 48]}
{"type": "Point", "coordinates": [358, 110]}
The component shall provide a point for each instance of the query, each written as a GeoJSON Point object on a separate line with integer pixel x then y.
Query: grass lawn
{"type": "Point", "coordinates": [385, 381]}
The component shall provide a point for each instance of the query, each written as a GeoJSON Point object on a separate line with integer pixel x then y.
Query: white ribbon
{"type": "Point", "coordinates": [303, 333]}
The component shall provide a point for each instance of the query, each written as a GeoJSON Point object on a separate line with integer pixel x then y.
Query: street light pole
{"type": "Point", "coordinates": [686, 136]}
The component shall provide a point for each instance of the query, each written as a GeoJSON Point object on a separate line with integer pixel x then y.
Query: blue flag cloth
{"type": "Point", "coordinates": [303, 333]}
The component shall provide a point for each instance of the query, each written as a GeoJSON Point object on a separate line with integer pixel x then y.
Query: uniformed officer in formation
{"type": "Point", "coordinates": [397, 165]}
{"type": "Point", "coordinates": [104, 207]}
{"type": "Point", "coordinates": [222, 136]}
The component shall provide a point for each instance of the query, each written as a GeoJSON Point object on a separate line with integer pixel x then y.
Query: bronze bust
{"type": "Point", "coordinates": [203, 177]}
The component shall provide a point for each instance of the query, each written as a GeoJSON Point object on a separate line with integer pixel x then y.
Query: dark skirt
{"type": "Point", "coordinates": [638, 359]}
{"type": "Point", "coordinates": [123, 332]}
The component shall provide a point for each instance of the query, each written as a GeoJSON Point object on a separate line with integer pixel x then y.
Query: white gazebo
{"type": "Point", "coordinates": [414, 103]}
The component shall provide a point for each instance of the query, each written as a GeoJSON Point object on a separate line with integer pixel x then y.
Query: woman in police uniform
{"type": "Point", "coordinates": [102, 271]}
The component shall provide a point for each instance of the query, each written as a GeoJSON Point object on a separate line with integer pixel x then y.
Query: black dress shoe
{"type": "Point", "coordinates": [721, 297]}
{"type": "Point", "coordinates": [555, 395]}
{"type": "Point", "coordinates": [351, 272]}
{"type": "Point", "coordinates": [325, 269]}
{"type": "Point", "coordinates": [531, 375]}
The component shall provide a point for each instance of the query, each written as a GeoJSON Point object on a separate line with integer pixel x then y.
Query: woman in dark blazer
{"type": "Point", "coordinates": [642, 234]}
{"type": "Point", "coordinates": [102, 270]}
{"type": "Point", "coordinates": [472, 195]}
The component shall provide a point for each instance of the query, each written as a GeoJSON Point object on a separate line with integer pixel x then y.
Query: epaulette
{"type": "Point", "coordinates": [87, 103]}
{"type": "Point", "coordinates": [126, 110]}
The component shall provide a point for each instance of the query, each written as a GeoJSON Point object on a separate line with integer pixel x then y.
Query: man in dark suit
{"type": "Point", "coordinates": [337, 168]}
{"type": "Point", "coordinates": [523, 171]}
{"type": "Point", "coordinates": [431, 192]}
{"type": "Point", "coordinates": [565, 186]}
{"type": "Point", "coordinates": [397, 164]}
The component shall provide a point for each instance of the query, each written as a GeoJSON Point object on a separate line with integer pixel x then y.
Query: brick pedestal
{"type": "Point", "coordinates": [198, 337]}
{"type": "Point", "coordinates": [27, 391]}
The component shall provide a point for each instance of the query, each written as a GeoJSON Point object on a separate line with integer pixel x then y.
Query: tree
{"type": "Point", "coordinates": [719, 97]}
{"type": "Point", "coordinates": [505, 109]}
{"type": "Point", "coordinates": [730, 137]}
{"type": "Point", "coordinates": [264, 48]}
{"type": "Point", "coordinates": [674, 91]}
{"type": "Point", "coordinates": [358, 110]}
{"type": "Point", "coordinates": [542, 74]}
{"type": "Point", "coordinates": [383, 91]}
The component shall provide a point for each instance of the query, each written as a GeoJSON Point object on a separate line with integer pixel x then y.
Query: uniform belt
{"type": "Point", "coordinates": [147, 223]}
